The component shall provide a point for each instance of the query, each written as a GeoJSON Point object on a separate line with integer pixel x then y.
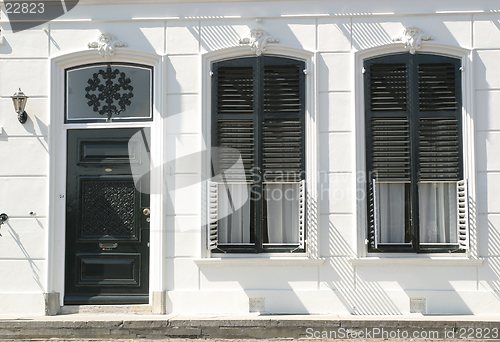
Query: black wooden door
{"type": "Point", "coordinates": [107, 217]}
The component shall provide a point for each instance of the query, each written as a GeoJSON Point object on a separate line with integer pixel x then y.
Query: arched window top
{"type": "Point", "coordinates": [108, 92]}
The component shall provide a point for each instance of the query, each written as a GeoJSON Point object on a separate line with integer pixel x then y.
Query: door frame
{"type": "Point", "coordinates": [56, 231]}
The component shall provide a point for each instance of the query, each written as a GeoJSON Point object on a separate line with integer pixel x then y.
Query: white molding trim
{"type": "Point", "coordinates": [55, 234]}
{"type": "Point", "coordinates": [312, 135]}
{"type": "Point", "coordinates": [465, 56]}
{"type": "Point", "coordinates": [262, 261]}
{"type": "Point", "coordinates": [418, 261]}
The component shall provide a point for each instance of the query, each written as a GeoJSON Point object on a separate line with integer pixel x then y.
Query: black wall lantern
{"type": "Point", "coordinates": [19, 99]}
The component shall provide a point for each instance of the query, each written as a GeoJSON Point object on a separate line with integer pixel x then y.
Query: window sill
{"type": "Point", "coordinates": [259, 261]}
{"type": "Point", "coordinates": [418, 261]}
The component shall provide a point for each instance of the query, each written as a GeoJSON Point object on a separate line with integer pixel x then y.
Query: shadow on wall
{"type": "Point", "coordinates": [35, 270]}
{"type": "Point", "coordinates": [275, 284]}
{"type": "Point", "coordinates": [369, 299]}
{"type": "Point", "coordinates": [217, 36]}
{"type": "Point", "coordinates": [367, 35]}
{"type": "Point", "coordinates": [492, 273]}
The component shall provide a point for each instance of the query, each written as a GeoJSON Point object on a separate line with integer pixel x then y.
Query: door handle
{"type": "Point", "coordinates": [107, 246]}
{"type": "Point", "coordinates": [146, 211]}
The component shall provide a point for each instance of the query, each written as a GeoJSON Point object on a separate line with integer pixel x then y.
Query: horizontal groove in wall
{"type": "Point", "coordinates": [182, 54]}
{"type": "Point", "coordinates": [336, 131]}
{"type": "Point", "coordinates": [27, 217]}
{"type": "Point", "coordinates": [326, 52]}
{"type": "Point", "coordinates": [335, 172]}
{"type": "Point", "coordinates": [22, 259]}
{"type": "Point", "coordinates": [186, 93]}
{"type": "Point", "coordinates": [334, 91]}
{"type": "Point", "coordinates": [331, 213]}
{"type": "Point", "coordinates": [23, 176]}
{"type": "Point", "coordinates": [487, 49]}
{"type": "Point", "coordinates": [487, 89]}
{"type": "Point", "coordinates": [9, 97]}
{"type": "Point", "coordinates": [18, 136]}
{"type": "Point", "coordinates": [15, 58]}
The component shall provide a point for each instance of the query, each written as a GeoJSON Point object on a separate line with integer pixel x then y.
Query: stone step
{"type": "Point", "coordinates": [86, 326]}
{"type": "Point", "coordinates": [141, 309]}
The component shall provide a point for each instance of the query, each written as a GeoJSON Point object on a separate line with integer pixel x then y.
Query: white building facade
{"type": "Point", "coordinates": [158, 132]}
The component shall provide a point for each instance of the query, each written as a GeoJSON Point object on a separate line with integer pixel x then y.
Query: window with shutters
{"type": "Point", "coordinates": [258, 122]}
{"type": "Point", "coordinates": [417, 194]}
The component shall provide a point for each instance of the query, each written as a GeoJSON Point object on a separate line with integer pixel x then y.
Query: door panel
{"type": "Point", "coordinates": [107, 233]}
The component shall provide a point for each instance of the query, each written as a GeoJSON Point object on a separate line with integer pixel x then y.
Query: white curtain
{"type": "Point", "coordinates": [391, 212]}
{"type": "Point", "coordinates": [234, 213]}
{"type": "Point", "coordinates": [438, 212]}
{"type": "Point", "coordinates": [282, 202]}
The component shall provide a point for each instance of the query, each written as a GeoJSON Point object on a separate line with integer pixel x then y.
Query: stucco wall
{"type": "Point", "coordinates": [183, 34]}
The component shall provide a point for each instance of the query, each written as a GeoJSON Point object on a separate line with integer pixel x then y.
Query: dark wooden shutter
{"type": "Point", "coordinates": [388, 147]}
{"type": "Point", "coordinates": [439, 129]}
{"type": "Point", "coordinates": [388, 142]}
{"type": "Point", "coordinates": [234, 109]}
{"type": "Point", "coordinates": [283, 122]}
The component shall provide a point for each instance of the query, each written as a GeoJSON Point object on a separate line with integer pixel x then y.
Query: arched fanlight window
{"type": "Point", "coordinates": [109, 92]}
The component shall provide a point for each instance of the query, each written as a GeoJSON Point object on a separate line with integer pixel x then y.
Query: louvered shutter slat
{"type": "Point", "coordinates": [282, 88]}
{"type": "Point", "coordinates": [437, 87]}
{"type": "Point", "coordinates": [213, 214]}
{"type": "Point", "coordinates": [282, 149]}
{"type": "Point", "coordinates": [302, 214]}
{"type": "Point", "coordinates": [390, 148]}
{"type": "Point", "coordinates": [235, 90]}
{"type": "Point", "coordinates": [388, 84]}
{"type": "Point", "coordinates": [235, 140]}
{"type": "Point", "coordinates": [372, 215]}
{"type": "Point", "coordinates": [439, 149]}
{"type": "Point", "coordinates": [463, 214]}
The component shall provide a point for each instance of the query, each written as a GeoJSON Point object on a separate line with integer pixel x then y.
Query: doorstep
{"type": "Point", "coordinates": [141, 309]}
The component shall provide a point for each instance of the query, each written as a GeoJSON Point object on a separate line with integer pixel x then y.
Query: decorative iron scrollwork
{"type": "Point", "coordinates": [109, 92]}
{"type": "Point", "coordinates": [108, 208]}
